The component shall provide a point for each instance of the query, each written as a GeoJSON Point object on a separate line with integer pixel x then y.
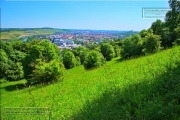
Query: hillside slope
{"type": "Point", "coordinates": [142, 88]}
{"type": "Point", "coordinates": [22, 33]}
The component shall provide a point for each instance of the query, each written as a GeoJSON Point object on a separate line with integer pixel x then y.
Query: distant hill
{"type": "Point", "coordinates": [16, 33]}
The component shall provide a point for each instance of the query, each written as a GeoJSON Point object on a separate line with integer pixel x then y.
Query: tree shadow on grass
{"type": "Point", "coordinates": [119, 60]}
{"type": "Point", "coordinates": [14, 87]}
{"type": "Point", "coordinates": [157, 99]}
{"type": "Point", "coordinates": [32, 86]}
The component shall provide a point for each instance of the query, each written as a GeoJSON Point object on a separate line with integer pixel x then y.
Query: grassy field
{"type": "Point", "coordinates": [15, 34]}
{"type": "Point", "coordinates": [137, 89]}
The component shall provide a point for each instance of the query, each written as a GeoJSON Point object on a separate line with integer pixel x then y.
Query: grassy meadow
{"type": "Point", "coordinates": [137, 89]}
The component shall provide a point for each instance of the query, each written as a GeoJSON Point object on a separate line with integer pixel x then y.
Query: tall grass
{"type": "Point", "coordinates": [143, 88]}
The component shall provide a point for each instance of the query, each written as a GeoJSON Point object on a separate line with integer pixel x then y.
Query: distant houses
{"type": "Point", "coordinates": [64, 43]}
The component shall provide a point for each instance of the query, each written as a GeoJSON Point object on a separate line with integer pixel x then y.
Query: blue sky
{"type": "Point", "coordinates": [99, 15]}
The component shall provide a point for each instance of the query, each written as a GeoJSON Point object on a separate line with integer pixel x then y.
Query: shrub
{"type": "Point", "coordinates": [107, 51]}
{"type": "Point", "coordinates": [94, 59]}
{"type": "Point", "coordinates": [177, 42]}
{"type": "Point", "coordinates": [39, 51]}
{"type": "Point", "coordinates": [151, 44]}
{"type": "Point", "coordinates": [3, 80]}
{"type": "Point", "coordinates": [78, 61]}
{"type": "Point", "coordinates": [116, 50]}
{"type": "Point", "coordinates": [3, 63]}
{"type": "Point", "coordinates": [15, 71]}
{"type": "Point", "coordinates": [143, 33]}
{"type": "Point", "coordinates": [82, 56]}
{"type": "Point", "coordinates": [49, 51]}
{"type": "Point", "coordinates": [47, 72]}
{"type": "Point", "coordinates": [69, 60]}
{"type": "Point", "coordinates": [10, 63]}
{"type": "Point", "coordinates": [131, 47]}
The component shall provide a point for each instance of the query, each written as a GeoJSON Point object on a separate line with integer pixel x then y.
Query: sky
{"type": "Point", "coordinates": [95, 15]}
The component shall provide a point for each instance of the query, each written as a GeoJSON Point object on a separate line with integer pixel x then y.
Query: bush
{"type": "Point", "coordinates": [82, 56]}
{"type": "Point", "coordinates": [131, 47]}
{"type": "Point", "coordinates": [78, 61]}
{"type": "Point", "coordinates": [107, 51]}
{"type": "Point", "coordinates": [15, 71]}
{"type": "Point", "coordinates": [151, 44]}
{"type": "Point", "coordinates": [76, 51]}
{"type": "Point", "coordinates": [177, 42]}
{"type": "Point", "coordinates": [3, 63]}
{"type": "Point", "coordinates": [10, 63]}
{"type": "Point", "coordinates": [117, 50]}
{"type": "Point", "coordinates": [49, 51]}
{"type": "Point", "coordinates": [94, 59]}
{"type": "Point", "coordinates": [47, 72]}
{"type": "Point", "coordinates": [3, 80]}
{"type": "Point", "coordinates": [143, 33]}
{"type": "Point", "coordinates": [39, 51]}
{"type": "Point", "coordinates": [69, 60]}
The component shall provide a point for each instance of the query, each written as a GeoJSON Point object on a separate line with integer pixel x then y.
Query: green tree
{"type": "Point", "coordinates": [18, 56]}
{"type": "Point", "coordinates": [7, 48]}
{"type": "Point", "coordinates": [172, 20]}
{"type": "Point", "coordinates": [69, 60]}
{"type": "Point", "coordinates": [3, 63]}
{"type": "Point", "coordinates": [173, 16]}
{"type": "Point", "coordinates": [82, 56]}
{"type": "Point", "coordinates": [94, 59]}
{"type": "Point", "coordinates": [80, 53]}
{"type": "Point", "coordinates": [33, 57]}
{"type": "Point", "coordinates": [14, 71]}
{"type": "Point", "coordinates": [78, 61]}
{"type": "Point", "coordinates": [10, 62]}
{"type": "Point", "coordinates": [63, 51]}
{"type": "Point", "coordinates": [131, 46]}
{"type": "Point", "coordinates": [177, 31]}
{"type": "Point", "coordinates": [47, 72]}
{"type": "Point", "coordinates": [157, 27]}
{"type": "Point", "coordinates": [143, 33]}
{"type": "Point", "coordinates": [19, 45]}
{"type": "Point", "coordinates": [39, 51]}
{"type": "Point", "coordinates": [107, 51]}
{"type": "Point", "coordinates": [151, 44]}
{"type": "Point", "coordinates": [76, 51]}
{"type": "Point", "coordinates": [117, 50]}
{"type": "Point", "coordinates": [49, 51]}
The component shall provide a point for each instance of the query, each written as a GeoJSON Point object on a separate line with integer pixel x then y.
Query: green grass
{"type": "Point", "coordinates": [143, 88]}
